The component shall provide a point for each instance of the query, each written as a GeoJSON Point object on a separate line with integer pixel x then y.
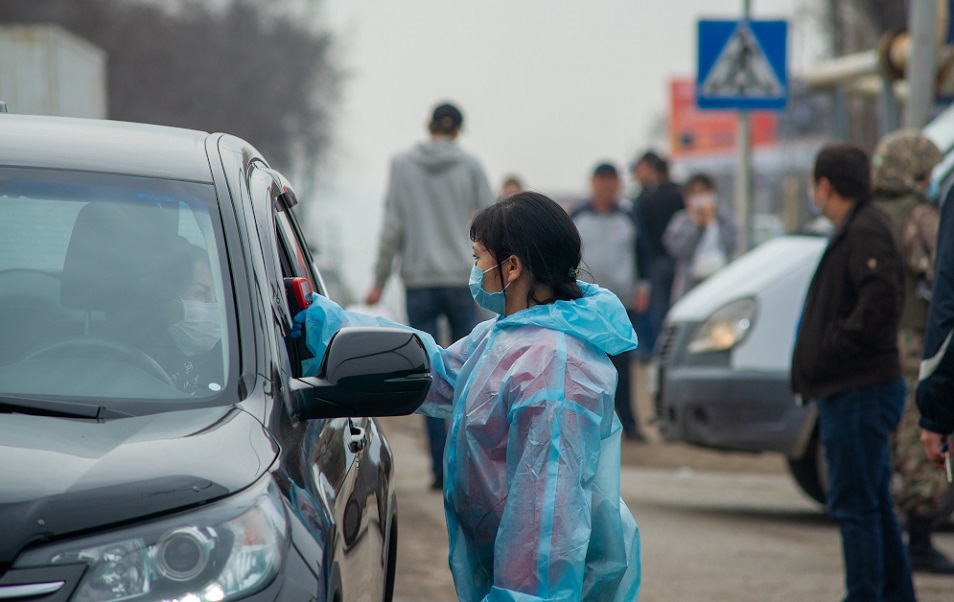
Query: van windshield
{"type": "Point", "coordinates": [111, 287]}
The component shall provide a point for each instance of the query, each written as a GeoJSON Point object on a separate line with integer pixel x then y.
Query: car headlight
{"type": "Point", "coordinates": [228, 550]}
{"type": "Point", "coordinates": [725, 328]}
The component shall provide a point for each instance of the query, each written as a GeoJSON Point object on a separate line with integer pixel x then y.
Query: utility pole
{"type": "Point", "coordinates": [743, 167]}
{"type": "Point", "coordinates": [921, 63]}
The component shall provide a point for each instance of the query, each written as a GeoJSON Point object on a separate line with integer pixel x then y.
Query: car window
{"type": "Point", "coordinates": [298, 255]}
{"type": "Point", "coordinates": [110, 287]}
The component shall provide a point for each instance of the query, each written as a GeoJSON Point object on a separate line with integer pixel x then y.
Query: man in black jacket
{"type": "Point", "coordinates": [659, 200]}
{"type": "Point", "coordinates": [846, 359]}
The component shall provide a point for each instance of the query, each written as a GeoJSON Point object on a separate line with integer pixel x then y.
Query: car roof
{"type": "Point", "coordinates": [105, 146]}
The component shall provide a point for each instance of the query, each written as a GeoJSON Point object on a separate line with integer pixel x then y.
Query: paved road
{"type": "Point", "coordinates": [707, 535]}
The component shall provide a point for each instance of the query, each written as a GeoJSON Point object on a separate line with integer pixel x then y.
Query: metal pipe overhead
{"type": "Point", "coordinates": [839, 71]}
{"type": "Point", "coordinates": [921, 63]}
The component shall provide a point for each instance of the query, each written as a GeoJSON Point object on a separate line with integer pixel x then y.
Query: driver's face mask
{"type": "Point", "coordinates": [199, 329]}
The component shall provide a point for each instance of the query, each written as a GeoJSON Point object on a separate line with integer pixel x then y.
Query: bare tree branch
{"type": "Point", "coordinates": [262, 71]}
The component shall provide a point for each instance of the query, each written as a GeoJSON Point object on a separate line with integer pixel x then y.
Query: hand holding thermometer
{"type": "Point", "coordinates": [946, 450]}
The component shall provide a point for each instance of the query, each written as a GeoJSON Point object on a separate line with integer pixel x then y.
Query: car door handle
{"type": "Point", "coordinates": [357, 439]}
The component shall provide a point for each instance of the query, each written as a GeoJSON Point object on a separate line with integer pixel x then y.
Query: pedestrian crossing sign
{"type": "Point", "coordinates": [742, 65]}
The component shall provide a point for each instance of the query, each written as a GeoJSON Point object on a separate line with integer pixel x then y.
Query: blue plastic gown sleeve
{"type": "Point", "coordinates": [325, 317]}
{"type": "Point", "coordinates": [553, 449]}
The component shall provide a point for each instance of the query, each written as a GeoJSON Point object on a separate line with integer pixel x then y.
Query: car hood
{"type": "Point", "coordinates": [59, 476]}
{"type": "Point", "coordinates": [748, 275]}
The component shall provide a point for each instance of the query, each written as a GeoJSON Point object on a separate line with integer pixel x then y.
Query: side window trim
{"type": "Point", "coordinates": [260, 185]}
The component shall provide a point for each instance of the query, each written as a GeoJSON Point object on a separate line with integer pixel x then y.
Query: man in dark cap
{"type": "Point", "coordinates": [433, 192]}
{"type": "Point", "coordinates": [609, 237]}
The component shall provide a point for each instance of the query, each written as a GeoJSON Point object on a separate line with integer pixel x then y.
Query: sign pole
{"type": "Point", "coordinates": [743, 179]}
{"type": "Point", "coordinates": [743, 171]}
{"type": "Point", "coordinates": [922, 64]}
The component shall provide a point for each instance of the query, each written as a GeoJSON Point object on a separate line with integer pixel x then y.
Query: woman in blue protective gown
{"type": "Point", "coordinates": [532, 463]}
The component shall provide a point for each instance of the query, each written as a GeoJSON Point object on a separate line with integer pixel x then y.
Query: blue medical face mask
{"type": "Point", "coordinates": [493, 302]}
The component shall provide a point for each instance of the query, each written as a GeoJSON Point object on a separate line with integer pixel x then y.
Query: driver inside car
{"type": "Point", "coordinates": [189, 342]}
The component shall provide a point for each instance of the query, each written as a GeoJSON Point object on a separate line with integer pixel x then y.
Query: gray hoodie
{"type": "Point", "coordinates": [434, 190]}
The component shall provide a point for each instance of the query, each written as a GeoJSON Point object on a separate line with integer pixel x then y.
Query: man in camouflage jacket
{"type": "Point", "coordinates": [902, 165]}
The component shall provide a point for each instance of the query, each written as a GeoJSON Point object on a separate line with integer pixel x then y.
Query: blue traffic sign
{"type": "Point", "coordinates": [742, 65]}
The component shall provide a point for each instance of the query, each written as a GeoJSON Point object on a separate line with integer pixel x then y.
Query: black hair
{"type": "Point", "coordinates": [178, 267]}
{"type": "Point", "coordinates": [605, 169]}
{"type": "Point", "coordinates": [654, 162]}
{"type": "Point", "coordinates": [534, 228]}
{"type": "Point", "coordinates": [847, 167]}
{"type": "Point", "coordinates": [700, 179]}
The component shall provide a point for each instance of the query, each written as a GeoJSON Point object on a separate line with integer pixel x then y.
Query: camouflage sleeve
{"type": "Point", "coordinates": [919, 241]}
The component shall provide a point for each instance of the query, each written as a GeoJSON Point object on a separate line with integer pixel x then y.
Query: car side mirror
{"type": "Point", "coordinates": [365, 372]}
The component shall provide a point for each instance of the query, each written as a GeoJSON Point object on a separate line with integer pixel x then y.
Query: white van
{"type": "Point", "coordinates": [724, 359]}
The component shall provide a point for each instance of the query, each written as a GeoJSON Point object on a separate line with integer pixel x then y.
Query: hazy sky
{"type": "Point", "coordinates": [548, 88]}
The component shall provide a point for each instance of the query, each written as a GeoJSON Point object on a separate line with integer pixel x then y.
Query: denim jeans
{"type": "Point", "coordinates": [856, 428]}
{"type": "Point", "coordinates": [662, 272]}
{"type": "Point", "coordinates": [424, 307]}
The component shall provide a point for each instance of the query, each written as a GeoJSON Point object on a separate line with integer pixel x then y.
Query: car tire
{"type": "Point", "coordinates": [810, 471]}
{"type": "Point", "coordinates": [390, 564]}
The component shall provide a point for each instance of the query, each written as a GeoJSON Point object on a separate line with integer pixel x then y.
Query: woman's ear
{"type": "Point", "coordinates": [515, 268]}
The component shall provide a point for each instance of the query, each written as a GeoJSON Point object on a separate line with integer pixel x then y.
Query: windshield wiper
{"type": "Point", "coordinates": [57, 409]}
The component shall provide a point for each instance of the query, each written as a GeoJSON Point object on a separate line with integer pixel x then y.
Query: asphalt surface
{"type": "Point", "coordinates": [714, 526]}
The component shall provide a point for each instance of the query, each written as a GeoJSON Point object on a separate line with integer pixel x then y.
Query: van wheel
{"type": "Point", "coordinates": [810, 471]}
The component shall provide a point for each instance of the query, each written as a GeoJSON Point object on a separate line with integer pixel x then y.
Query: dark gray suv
{"type": "Point", "coordinates": [158, 440]}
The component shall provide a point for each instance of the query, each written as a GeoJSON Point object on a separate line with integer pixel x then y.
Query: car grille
{"type": "Point", "coordinates": [665, 344]}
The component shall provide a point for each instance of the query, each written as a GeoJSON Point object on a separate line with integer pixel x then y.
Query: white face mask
{"type": "Point", "coordinates": [702, 199]}
{"type": "Point", "coordinates": [199, 329]}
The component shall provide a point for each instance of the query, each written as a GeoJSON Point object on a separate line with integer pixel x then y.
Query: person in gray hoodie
{"type": "Point", "coordinates": [433, 192]}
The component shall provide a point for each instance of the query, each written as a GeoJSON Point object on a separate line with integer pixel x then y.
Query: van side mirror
{"type": "Point", "coordinates": [365, 372]}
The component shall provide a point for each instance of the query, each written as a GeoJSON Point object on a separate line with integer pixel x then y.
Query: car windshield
{"type": "Point", "coordinates": [111, 287]}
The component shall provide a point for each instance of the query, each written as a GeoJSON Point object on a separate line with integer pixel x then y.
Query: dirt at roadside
{"type": "Point", "coordinates": [677, 456]}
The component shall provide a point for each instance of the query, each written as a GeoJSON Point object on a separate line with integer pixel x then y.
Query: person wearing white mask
{"type": "Point", "coordinates": [702, 237]}
{"type": "Point", "coordinates": [189, 348]}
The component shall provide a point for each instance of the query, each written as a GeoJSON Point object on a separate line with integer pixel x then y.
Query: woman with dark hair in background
{"type": "Point", "coordinates": [532, 463]}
